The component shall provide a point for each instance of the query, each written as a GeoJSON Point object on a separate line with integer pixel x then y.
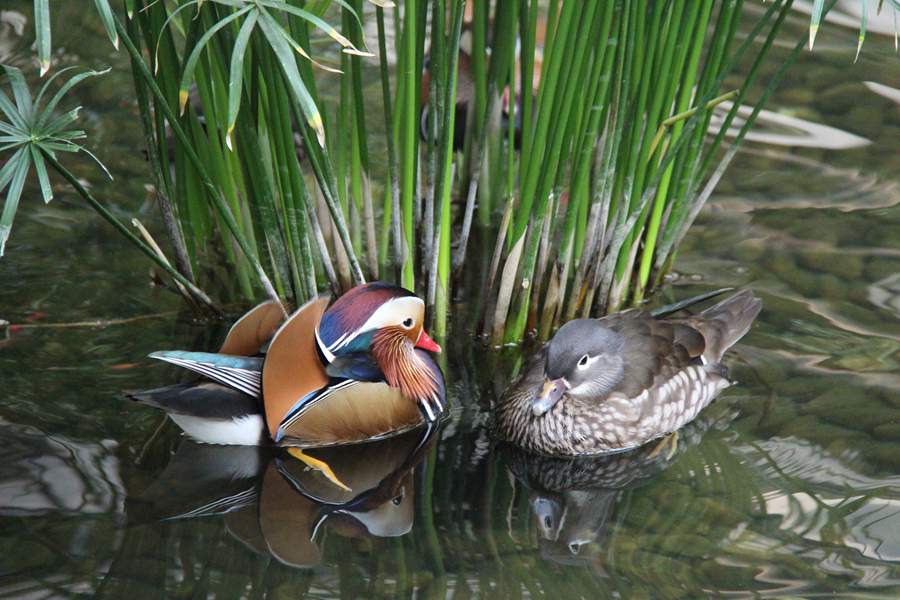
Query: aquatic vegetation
{"type": "Point", "coordinates": [858, 11]}
{"type": "Point", "coordinates": [575, 190]}
{"type": "Point", "coordinates": [34, 133]}
{"type": "Point", "coordinates": [786, 486]}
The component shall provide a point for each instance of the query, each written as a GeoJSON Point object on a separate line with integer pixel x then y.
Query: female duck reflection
{"type": "Point", "coordinates": [573, 500]}
{"type": "Point", "coordinates": [276, 505]}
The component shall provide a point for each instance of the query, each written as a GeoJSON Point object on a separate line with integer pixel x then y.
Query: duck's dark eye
{"type": "Point", "coordinates": [583, 361]}
{"type": "Point", "coordinates": [408, 322]}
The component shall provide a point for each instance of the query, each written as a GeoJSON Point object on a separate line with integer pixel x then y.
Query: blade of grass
{"type": "Point", "coordinates": [862, 29]}
{"type": "Point", "coordinates": [106, 16]}
{"type": "Point", "coordinates": [393, 177]}
{"type": "Point", "coordinates": [409, 146]}
{"type": "Point", "coordinates": [818, 8]}
{"type": "Point", "coordinates": [187, 74]}
{"type": "Point", "coordinates": [282, 48]}
{"type": "Point", "coordinates": [13, 174]}
{"type": "Point", "coordinates": [41, 169]}
{"type": "Point", "coordinates": [504, 294]}
{"type": "Point", "coordinates": [21, 94]}
{"type": "Point", "coordinates": [42, 33]}
{"type": "Point", "coordinates": [236, 76]}
{"type": "Point", "coordinates": [444, 185]}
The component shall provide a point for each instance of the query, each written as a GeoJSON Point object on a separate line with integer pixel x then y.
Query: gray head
{"type": "Point", "coordinates": [548, 512]}
{"type": "Point", "coordinates": [584, 360]}
{"type": "Point", "coordinates": [577, 527]}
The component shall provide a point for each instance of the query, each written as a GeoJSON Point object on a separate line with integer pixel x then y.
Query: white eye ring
{"type": "Point", "coordinates": [583, 361]}
{"type": "Point", "coordinates": [408, 322]}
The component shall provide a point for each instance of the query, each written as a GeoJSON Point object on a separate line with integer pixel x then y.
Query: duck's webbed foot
{"type": "Point", "coordinates": [668, 444]}
{"type": "Point", "coordinates": [318, 465]}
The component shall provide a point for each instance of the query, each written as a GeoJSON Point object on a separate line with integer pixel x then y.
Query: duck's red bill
{"type": "Point", "coordinates": [426, 343]}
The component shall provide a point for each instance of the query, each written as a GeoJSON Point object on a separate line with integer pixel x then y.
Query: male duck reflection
{"type": "Point", "coordinates": [605, 385]}
{"type": "Point", "coordinates": [276, 506]}
{"type": "Point", "coordinates": [356, 371]}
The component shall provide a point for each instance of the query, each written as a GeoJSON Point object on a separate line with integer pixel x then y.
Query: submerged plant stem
{"type": "Point", "coordinates": [196, 292]}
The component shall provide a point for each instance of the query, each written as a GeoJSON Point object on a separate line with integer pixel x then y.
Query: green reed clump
{"type": "Point", "coordinates": [614, 152]}
{"type": "Point", "coordinates": [586, 148]}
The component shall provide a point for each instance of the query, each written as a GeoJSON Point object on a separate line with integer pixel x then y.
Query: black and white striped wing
{"type": "Point", "coordinates": [238, 372]}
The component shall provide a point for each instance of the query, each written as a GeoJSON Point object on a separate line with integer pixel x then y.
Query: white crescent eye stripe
{"type": "Point", "coordinates": [392, 312]}
{"type": "Point", "coordinates": [591, 360]}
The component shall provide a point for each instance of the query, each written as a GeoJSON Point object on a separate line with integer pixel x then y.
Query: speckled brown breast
{"type": "Point", "coordinates": [617, 422]}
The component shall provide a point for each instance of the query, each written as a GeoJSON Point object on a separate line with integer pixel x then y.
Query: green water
{"type": "Point", "coordinates": [787, 486]}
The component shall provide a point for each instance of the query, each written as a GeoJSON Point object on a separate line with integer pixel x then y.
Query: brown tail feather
{"type": "Point", "coordinates": [725, 323]}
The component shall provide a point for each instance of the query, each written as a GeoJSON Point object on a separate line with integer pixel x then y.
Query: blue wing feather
{"type": "Point", "coordinates": [242, 373]}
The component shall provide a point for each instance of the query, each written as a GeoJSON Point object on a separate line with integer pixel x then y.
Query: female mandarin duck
{"type": "Point", "coordinates": [356, 371]}
{"type": "Point", "coordinates": [610, 384]}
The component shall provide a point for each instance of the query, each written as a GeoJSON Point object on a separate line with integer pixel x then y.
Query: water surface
{"type": "Point", "coordinates": [787, 486]}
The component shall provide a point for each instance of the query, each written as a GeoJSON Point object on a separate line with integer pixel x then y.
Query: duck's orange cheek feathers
{"type": "Point", "coordinates": [400, 365]}
{"type": "Point", "coordinates": [388, 350]}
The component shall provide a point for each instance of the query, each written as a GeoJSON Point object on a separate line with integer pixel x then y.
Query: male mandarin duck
{"type": "Point", "coordinates": [354, 371]}
{"type": "Point", "coordinates": [611, 384]}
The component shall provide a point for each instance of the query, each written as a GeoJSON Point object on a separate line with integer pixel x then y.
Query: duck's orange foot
{"type": "Point", "coordinates": [319, 465]}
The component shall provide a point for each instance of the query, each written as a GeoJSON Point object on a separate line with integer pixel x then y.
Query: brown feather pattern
{"type": "Point", "coordinates": [355, 413]}
{"type": "Point", "coordinates": [247, 336]}
{"type": "Point", "coordinates": [292, 368]}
